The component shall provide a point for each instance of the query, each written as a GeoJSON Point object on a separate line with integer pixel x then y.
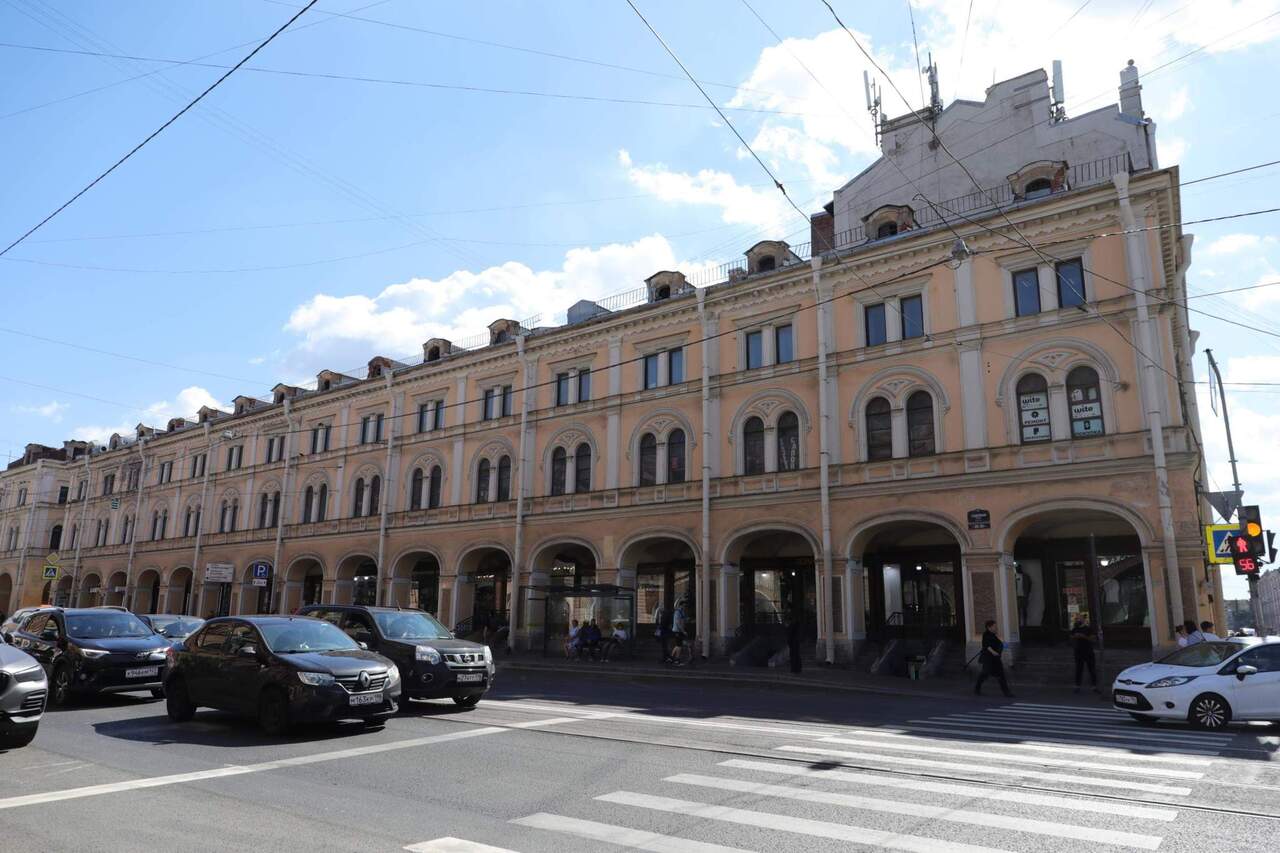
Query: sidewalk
{"type": "Point", "coordinates": [814, 677]}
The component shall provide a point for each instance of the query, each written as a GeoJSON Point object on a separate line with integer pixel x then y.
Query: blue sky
{"type": "Point", "coordinates": [295, 222]}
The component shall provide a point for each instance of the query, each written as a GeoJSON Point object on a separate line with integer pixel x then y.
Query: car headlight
{"type": "Point", "coordinates": [1171, 681]}
{"type": "Point", "coordinates": [93, 653]}
{"type": "Point", "coordinates": [488, 655]}
{"type": "Point", "coordinates": [35, 673]}
{"type": "Point", "coordinates": [393, 675]}
{"type": "Point", "coordinates": [159, 654]}
{"type": "Point", "coordinates": [427, 653]}
{"type": "Point", "coordinates": [316, 679]}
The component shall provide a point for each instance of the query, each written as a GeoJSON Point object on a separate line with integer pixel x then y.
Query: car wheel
{"type": "Point", "coordinates": [178, 702]}
{"type": "Point", "coordinates": [1145, 719]}
{"type": "Point", "coordinates": [1209, 712]}
{"type": "Point", "coordinates": [467, 702]}
{"type": "Point", "coordinates": [17, 739]}
{"type": "Point", "coordinates": [60, 687]}
{"type": "Point", "coordinates": [273, 713]}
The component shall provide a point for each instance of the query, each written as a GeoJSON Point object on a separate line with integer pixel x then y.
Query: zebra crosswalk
{"type": "Point", "coordinates": [1001, 779]}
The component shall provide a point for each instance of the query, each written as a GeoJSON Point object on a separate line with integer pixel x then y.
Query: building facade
{"type": "Point", "coordinates": [950, 407]}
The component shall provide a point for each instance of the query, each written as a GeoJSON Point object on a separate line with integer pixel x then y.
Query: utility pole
{"type": "Point", "coordinates": [1255, 604]}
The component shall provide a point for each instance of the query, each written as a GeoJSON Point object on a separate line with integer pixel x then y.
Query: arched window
{"type": "Point", "coordinates": [582, 468]}
{"type": "Point", "coordinates": [415, 489]}
{"type": "Point", "coordinates": [275, 512]}
{"type": "Point", "coordinates": [375, 494]}
{"type": "Point", "coordinates": [357, 503]}
{"type": "Point", "coordinates": [1085, 398]}
{"type": "Point", "coordinates": [224, 515]}
{"type": "Point", "coordinates": [920, 438]}
{"type": "Point", "coordinates": [753, 446]}
{"type": "Point", "coordinates": [788, 442]}
{"type": "Point", "coordinates": [1039, 188]}
{"type": "Point", "coordinates": [504, 478]}
{"type": "Point", "coordinates": [886, 229]}
{"type": "Point", "coordinates": [55, 537]}
{"type": "Point", "coordinates": [767, 263]}
{"type": "Point", "coordinates": [559, 460]}
{"type": "Point", "coordinates": [663, 292]}
{"type": "Point", "coordinates": [433, 354]}
{"type": "Point", "coordinates": [264, 509]}
{"type": "Point", "coordinates": [879, 430]}
{"type": "Point", "coordinates": [308, 504]}
{"type": "Point", "coordinates": [433, 487]}
{"type": "Point", "coordinates": [1033, 408]}
{"type": "Point", "coordinates": [482, 482]}
{"type": "Point", "coordinates": [675, 456]}
{"type": "Point", "coordinates": [322, 502]}
{"type": "Point", "coordinates": [648, 459]}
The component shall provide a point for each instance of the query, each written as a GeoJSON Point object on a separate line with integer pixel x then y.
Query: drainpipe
{"type": "Point", "coordinates": [1136, 261]}
{"type": "Point", "coordinates": [824, 459]}
{"type": "Point", "coordinates": [513, 592]}
{"type": "Point", "coordinates": [386, 490]}
{"type": "Point", "coordinates": [704, 592]}
{"type": "Point", "coordinates": [33, 495]}
{"type": "Point", "coordinates": [204, 505]}
{"type": "Point", "coordinates": [133, 534]}
{"type": "Point", "coordinates": [74, 598]}
{"type": "Point", "coordinates": [283, 509]}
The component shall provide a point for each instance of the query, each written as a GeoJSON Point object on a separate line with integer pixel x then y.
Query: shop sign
{"type": "Point", "coordinates": [979, 519]}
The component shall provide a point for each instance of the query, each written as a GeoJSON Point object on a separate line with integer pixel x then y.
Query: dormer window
{"type": "Point", "coordinates": [663, 292]}
{"type": "Point", "coordinates": [325, 385]}
{"type": "Point", "coordinates": [1038, 188]}
{"type": "Point", "coordinates": [433, 354]}
{"type": "Point", "coordinates": [767, 263]}
{"type": "Point", "coordinates": [886, 229]}
{"type": "Point", "coordinates": [1038, 179]}
{"type": "Point", "coordinates": [889, 220]}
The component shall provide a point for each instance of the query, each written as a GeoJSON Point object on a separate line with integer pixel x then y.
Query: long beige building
{"type": "Point", "coordinates": [951, 406]}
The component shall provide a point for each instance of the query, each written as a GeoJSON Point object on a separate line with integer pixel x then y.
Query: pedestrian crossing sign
{"type": "Point", "coordinates": [1216, 539]}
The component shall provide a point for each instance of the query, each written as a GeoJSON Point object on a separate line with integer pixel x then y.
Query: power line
{"type": "Point", "coordinates": [1070, 18]}
{"type": "Point", "coordinates": [160, 129]}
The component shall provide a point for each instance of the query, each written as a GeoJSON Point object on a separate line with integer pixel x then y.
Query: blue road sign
{"type": "Point", "coordinates": [261, 571]}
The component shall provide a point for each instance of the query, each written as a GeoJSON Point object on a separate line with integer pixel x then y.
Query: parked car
{"type": "Point", "coordinates": [281, 669]}
{"type": "Point", "coordinates": [1207, 684]}
{"type": "Point", "coordinates": [433, 663]}
{"type": "Point", "coordinates": [87, 651]}
{"type": "Point", "coordinates": [173, 627]}
{"type": "Point", "coordinates": [23, 688]}
{"type": "Point", "coordinates": [15, 620]}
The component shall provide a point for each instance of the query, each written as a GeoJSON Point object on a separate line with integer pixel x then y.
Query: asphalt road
{"type": "Point", "coordinates": [571, 763]}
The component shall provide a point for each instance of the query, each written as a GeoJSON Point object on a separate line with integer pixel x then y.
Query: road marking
{"type": "Point", "coordinates": [243, 769]}
{"type": "Point", "coordinates": [621, 836]}
{"type": "Point", "coordinates": [992, 770]}
{"type": "Point", "coordinates": [1105, 723]}
{"type": "Point", "coordinates": [1066, 742]}
{"type": "Point", "coordinates": [1075, 709]}
{"type": "Point", "coordinates": [448, 844]}
{"type": "Point", "coordinates": [1028, 798]}
{"type": "Point", "coordinates": [1023, 726]}
{"type": "Point", "coordinates": [1040, 760]}
{"type": "Point", "coordinates": [903, 808]}
{"type": "Point", "coordinates": [634, 717]}
{"type": "Point", "coordinates": [860, 835]}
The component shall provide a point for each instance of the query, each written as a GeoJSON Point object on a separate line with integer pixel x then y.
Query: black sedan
{"type": "Point", "coordinates": [173, 627]}
{"type": "Point", "coordinates": [89, 650]}
{"type": "Point", "coordinates": [434, 664]}
{"type": "Point", "coordinates": [281, 669]}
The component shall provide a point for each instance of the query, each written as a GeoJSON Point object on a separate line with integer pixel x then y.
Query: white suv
{"type": "Point", "coordinates": [1208, 684]}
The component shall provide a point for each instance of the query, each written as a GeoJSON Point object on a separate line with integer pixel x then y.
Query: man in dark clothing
{"type": "Point", "coordinates": [992, 665]}
{"type": "Point", "coordinates": [1082, 647]}
{"type": "Point", "coordinates": [793, 643]}
{"type": "Point", "coordinates": [591, 638]}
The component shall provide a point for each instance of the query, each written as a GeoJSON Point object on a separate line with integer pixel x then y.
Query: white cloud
{"type": "Point", "coordinates": [52, 410]}
{"type": "Point", "coordinates": [1176, 106]}
{"type": "Point", "coordinates": [1232, 243]}
{"type": "Point", "coordinates": [185, 404]}
{"type": "Point", "coordinates": [1170, 150]}
{"type": "Point", "coordinates": [738, 204]}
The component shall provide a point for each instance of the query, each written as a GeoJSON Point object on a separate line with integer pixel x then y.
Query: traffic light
{"type": "Point", "coordinates": [1248, 544]}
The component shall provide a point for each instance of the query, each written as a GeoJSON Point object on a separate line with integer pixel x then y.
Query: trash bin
{"type": "Point", "coordinates": [915, 666]}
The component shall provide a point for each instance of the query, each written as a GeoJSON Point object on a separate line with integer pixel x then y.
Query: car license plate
{"type": "Point", "coordinates": [142, 672]}
{"type": "Point", "coordinates": [1121, 699]}
{"type": "Point", "coordinates": [365, 699]}
{"type": "Point", "coordinates": [470, 676]}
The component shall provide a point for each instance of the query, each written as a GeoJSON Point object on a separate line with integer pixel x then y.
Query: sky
{"type": "Point", "coordinates": [387, 172]}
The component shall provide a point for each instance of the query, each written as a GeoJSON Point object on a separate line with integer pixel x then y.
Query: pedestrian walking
{"type": "Point", "coordinates": [1180, 635]}
{"type": "Point", "coordinates": [793, 643]}
{"type": "Point", "coordinates": [659, 616]}
{"type": "Point", "coordinates": [1082, 647]}
{"type": "Point", "coordinates": [990, 660]}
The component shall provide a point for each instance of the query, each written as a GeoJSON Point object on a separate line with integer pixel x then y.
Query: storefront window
{"type": "Point", "coordinates": [1086, 403]}
{"type": "Point", "coordinates": [1033, 408]}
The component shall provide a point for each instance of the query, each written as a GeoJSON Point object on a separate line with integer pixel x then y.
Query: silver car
{"type": "Point", "coordinates": [23, 688]}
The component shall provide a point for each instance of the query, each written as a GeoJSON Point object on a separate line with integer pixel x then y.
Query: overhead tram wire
{"type": "Point", "coordinates": [160, 129]}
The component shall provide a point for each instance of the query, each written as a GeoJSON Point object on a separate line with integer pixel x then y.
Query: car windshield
{"type": "Point", "coordinates": [411, 625]}
{"type": "Point", "coordinates": [176, 627]}
{"type": "Point", "coordinates": [1202, 654]}
{"type": "Point", "coordinates": [106, 625]}
{"type": "Point", "coordinates": [304, 635]}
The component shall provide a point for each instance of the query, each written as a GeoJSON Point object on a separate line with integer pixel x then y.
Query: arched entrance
{"type": "Point", "coordinates": [305, 584]}
{"type": "Point", "coordinates": [116, 588]}
{"type": "Point", "coordinates": [777, 582]}
{"type": "Point", "coordinates": [178, 598]}
{"type": "Point", "coordinates": [46, 593]}
{"type": "Point", "coordinates": [562, 588]}
{"type": "Point", "coordinates": [146, 596]}
{"type": "Point", "coordinates": [663, 571]}
{"type": "Point", "coordinates": [416, 582]}
{"type": "Point", "coordinates": [255, 596]}
{"type": "Point", "coordinates": [90, 590]}
{"type": "Point", "coordinates": [1082, 565]}
{"type": "Point", "coordinates": [912, 582]}
{"type": "Point", "coordinates": [6, 592]}
{"type": "Point", "coordinates": [61, 595]}
{"type": "Point", "coordinates": [489, 570]}
{"type": "Point", "coordinates": [357, 581]}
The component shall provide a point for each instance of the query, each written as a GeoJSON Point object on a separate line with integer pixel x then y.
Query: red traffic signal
{"type": "Point", "coordinates": [1247, 544]}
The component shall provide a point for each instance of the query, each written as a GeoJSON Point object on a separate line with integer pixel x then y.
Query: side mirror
{"type": "Point", "coordinates": [362, 644]}
{"type": "Point", "coordinates": [249, 651]}
{"type": "Point", "coordinates": [1244, 670]}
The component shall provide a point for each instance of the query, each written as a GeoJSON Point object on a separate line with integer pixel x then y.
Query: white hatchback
{"type": "Point", "coordinates": [1207, 684]}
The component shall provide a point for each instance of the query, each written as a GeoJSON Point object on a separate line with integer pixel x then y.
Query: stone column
{"type": "Point", "coordinates": [662, 462]}
{"type": "Point", "coordinates": [973, 403]}
{"type": "Point", "coordinates": [727, 620]}
{"type": "Point", "coordinates": [855, 600]}
{"type": "Point", "coordinates": [989, 594]}
{"type": "Point", "coordinates": [570, 469]}
{"type": "Point", "coordinates": [493, 482]}
{"type": "Point", "coordinates": [1059, 412]}
{"type": "Point", "coordinates": [1047, 277]}
{"type": "Point", "coordinates": [898, 416]}
{"type": "Point", "coordinates": [770, 448]}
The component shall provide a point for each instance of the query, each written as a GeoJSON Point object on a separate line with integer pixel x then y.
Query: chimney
{"type": "Point", "coordinates": [1130, 92]}
{"type": "Point", "coordinates": [822, 230]}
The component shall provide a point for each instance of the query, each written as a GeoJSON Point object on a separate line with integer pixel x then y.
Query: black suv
{"type": "Point", "coordinates": [433, 663]}
{"type": "Point", "coordinates": [92, 650]}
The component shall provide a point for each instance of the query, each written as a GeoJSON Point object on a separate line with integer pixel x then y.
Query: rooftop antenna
{"type": "Point", "coordinates": [873, 103]}
{"type": "Point", "coordinates": [935, 99]}
{"type": "Point", "coordinates": [1057, 96]}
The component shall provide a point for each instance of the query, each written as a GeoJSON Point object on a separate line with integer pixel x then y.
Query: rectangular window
{"type": "Point", "coordinates": [63, 491]}
{"type": "Point", "coordinates": [651, 371]}
{"type": "Point", "coordinates": [108, 484]}
{"type": "Point", "coordinates": [1070, 276]}
{"type": "Point", "coordinates": [877, 333]}
{"type": "Point", "coordinates": [81, 488]}
{"type": "Point", "coordinates": [584, 385]}
{"type": "Point", "coordinates": [675, 366]}
{"type": "Point", "coordinates": [377, 427]}
{"type": "Point", "coordinates": [364, 428]}
{"type": "Point", "coordinates": [1026, 292]}
{"type": "Point", "coordinates": [783, 345]}
{"type": "Point", "coordinates": [424, 416]}
{"type": "Point", "coordinates": [506, 401]}
{"type": "Point", "coordinates": [562, 389]}
{"type": "Point", "coordinates": [234, 456]}
{"type": "Point", "coordinates": [486, 405]}
{"type": "Point", "coordinates": [22, 496]}
{"type": "Point", "coordinates": [912, 310]}
{"type": "Point", "coordinates": [437, 415]}
{"type": "Point", "coordinates": [755, 349]}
